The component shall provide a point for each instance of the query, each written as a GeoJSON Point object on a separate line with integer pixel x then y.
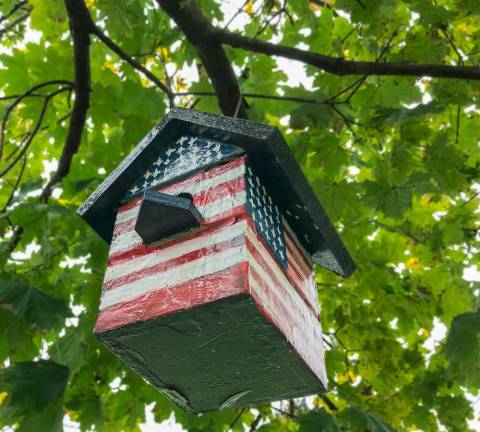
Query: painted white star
{"type": "Point", "coordinates": [170, 151]}
{"type": "Point", "coordinates": [182, 140]}
{"type": "Point", "coordinates": [147, 174]}
{"type": "Point", "coordinates": [134, 189]}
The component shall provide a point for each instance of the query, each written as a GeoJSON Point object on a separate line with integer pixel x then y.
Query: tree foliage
{"type": "Point", "coordinates": [387, 134]}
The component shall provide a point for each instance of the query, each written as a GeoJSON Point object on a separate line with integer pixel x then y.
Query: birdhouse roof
{"type": "Point", "coordinates": [271, 159]}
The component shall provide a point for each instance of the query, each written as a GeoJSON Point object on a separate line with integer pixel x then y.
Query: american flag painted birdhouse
{"type": "Point", "coordinates": [209, 292]}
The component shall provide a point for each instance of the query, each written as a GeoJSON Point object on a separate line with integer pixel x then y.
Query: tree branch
{"type": "Point", "coordinates": [14, 23]}
{"type": "Point", "coordinates": [18, 98]}
{"type": "Point", "coordinates": [338, 65]}
{"type": "Point", "coordinates": [235, 419]}
{"type": "Point", "coordinates": [16, 7]}
{"type": "Point", "coordinates": [93, 28]}
{"type": "Point", "coordinates": [33, 132]}
{"type": "Point", "coordinates": [255, 423]}
{"type": "Point", "coordinates": [329, 402]}
{"type": "Point", "coordinates": [79, 28]}
{"type": "Point", "coordinates": [190, 19]}
{"type": "Point", "coordinates": [329, 101]}
{"type": "Point", "coordinates": [15, 186]}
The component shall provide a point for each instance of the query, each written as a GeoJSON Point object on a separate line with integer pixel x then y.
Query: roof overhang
{"type": "Point", "coordinates": [271, 159]}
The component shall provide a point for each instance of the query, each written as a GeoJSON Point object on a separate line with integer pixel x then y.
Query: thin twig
{"type": "Point", "coordinates": [16, 7]}
{"type": "Point", "coordinates": [15, 96]}
{"type": "Point", "coordinates": [235, 419]}
{"type": "Point", "coordinates": [255, 423]}
{"type": "Point", "coordinates": [131, 61]}
{"type": "Point", "coordinates": [325, 4]}
{"type": "Point", "coordinates": [360, 2]}
{"type": "Point", "coordinates": [285, 413]}
{"type": "Point", "coordinates": [34, 131]}
{"type": "Point", "coordinates": [19, 98]}
{"type": "Point", "coordinates": [15, 186]}
{"type": "Point", "coordinates": [14, 23]}
{"type": "Point", "coordinates": [475, 195]}
{"type": "Point", "coordinates": [457, 129]}
{"type": "Point", "coordinates": [265, 96]}
{"type": "Point", "coordinates": [452, 44]}
{"type": "Point", "coordinates": [329, 402]}
{"type": "Point", "coordinates": [238, 12]}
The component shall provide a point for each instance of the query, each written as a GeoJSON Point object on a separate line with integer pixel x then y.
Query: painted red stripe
{"type": "Point", "coordinates": [238, 213]}
{"type": "Point", "coordinates": [165, 301]}
{"type": "Point", "coordinates": [299, 287]}
{"type": "Point", "coordinates": [302, 279]}
{"type": "Point", "coordinates": [284, 314]}
{"type": "Point", "coordinates": [222, 190]}
{"type": "Point", "coordinates": [258, 257]}
{"type": "Point", "coordinates": [225, 219]}
{"type": "Point", "coordinates": [194, 178]}
{"type": "Point", "coordinates": [202, 198]}
{"type": "Point", "coordinates": [301, 269]}
{"type": "Point", "coordinates": [124, 227]}
{"type": "Point", "coordinates": [292, 244]}
{"type": "Point", "coordinates": [293, 273]}
{"type": "Point", "coordinates": [174, 262]}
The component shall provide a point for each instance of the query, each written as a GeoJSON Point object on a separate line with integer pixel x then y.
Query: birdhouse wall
{"type": "Point", "coordinates": [234, 252]}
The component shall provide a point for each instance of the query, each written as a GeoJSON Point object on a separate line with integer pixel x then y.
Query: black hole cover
{"type": "Point", "coordinates": [162, 215]}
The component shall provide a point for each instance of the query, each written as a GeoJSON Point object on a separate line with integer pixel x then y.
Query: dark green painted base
{"type": "Point", "coordinates": [223, 354]}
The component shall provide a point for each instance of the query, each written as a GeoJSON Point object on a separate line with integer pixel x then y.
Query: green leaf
{"type": "Point", "coordinates": [389, 116]}
{"type": "Point", "coordinates": [7, 6]}
{"type": "Point", "coordinates": [68, 350]}
{"type": "Point", "coordinates": [35, 306]}
{"type": "Point", "coordinates": [34, 394]}
{"type": "Point", "coordinates": [359, 420]}
{"type": "Point", "coordinates": [317, 421]}
{"type": "Point", "coordinates": [463, 348]}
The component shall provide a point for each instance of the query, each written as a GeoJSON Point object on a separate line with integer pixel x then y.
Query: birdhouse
{"type": "Point", "coordinates": [210, 292]}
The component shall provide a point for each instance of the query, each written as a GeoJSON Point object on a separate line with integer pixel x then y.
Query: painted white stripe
{"type": "Point", "coordinates": [192, 188]}
{"type": "Point", "coordinates": [230, 202]}
{"type": "Point", "coordinates": [130, 238]}
{"type": "Point", "coordinates": [124, 242]}
{"type": "Point", "coordinates": [193, 269]}
{"type": "Point", "coordinates": [174, 251]}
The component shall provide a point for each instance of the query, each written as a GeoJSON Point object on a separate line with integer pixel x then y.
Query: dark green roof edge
{"type": "Point", "coordinates": [271, 158]}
